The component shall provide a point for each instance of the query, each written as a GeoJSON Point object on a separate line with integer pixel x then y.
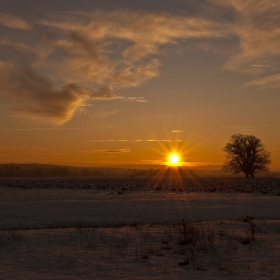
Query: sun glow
{"type": "Point", "coordinates": [174, 159]}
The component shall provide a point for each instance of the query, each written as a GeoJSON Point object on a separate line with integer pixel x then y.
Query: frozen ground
{"type": "Point", "coordinates": [129, 229]}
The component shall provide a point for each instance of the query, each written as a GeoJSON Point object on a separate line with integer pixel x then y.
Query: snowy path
{"type": "Point", "coordinates": [44, 207]}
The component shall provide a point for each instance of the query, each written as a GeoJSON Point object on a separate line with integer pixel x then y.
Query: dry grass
{"type": "Point", "coordinates": [216, 248]}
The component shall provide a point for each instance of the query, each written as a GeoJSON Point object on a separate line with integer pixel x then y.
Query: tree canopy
{"type": "Point", "coordinates": [246, 153]}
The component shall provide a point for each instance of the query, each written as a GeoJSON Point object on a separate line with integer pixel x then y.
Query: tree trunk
{"type": "Point", "coordinates": [246, 175]}
{"type": "Point", "coordinates": [252, 175]}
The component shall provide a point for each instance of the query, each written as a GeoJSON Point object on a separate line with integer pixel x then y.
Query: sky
{"type": "Point", "coordinates": [125, 83]}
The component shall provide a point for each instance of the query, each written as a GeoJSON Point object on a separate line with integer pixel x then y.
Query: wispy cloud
{"type": "Point", "coordinates": [106, 51]}
{"type": "Point", "coordinates": [257, 25]}
{"type": "Point", "coordinates": [102, 51]}
{"type": "Point", "coordinates": [177, 131]}
{"type": "Point", "coordinates": [272, 81]}
{"type": "Point", "coordinates": [14, 22]}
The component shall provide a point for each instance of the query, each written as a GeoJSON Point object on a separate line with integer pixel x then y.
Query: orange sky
{"type": "Point", "coordinates": [126, 83]}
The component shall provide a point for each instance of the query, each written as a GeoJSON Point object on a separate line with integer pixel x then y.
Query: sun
{"type": "Point", "coordinates": [174, 159]}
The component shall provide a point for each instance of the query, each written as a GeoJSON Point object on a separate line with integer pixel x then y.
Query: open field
{"type": "Point", "coordinates": [133, 229]}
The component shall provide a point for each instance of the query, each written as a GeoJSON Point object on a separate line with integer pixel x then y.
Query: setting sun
{"type": "Point", "coordinates": [174, 159]}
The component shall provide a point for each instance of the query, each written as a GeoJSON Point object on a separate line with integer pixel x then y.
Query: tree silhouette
{"type": "Point", "coordinates": [246, 153]}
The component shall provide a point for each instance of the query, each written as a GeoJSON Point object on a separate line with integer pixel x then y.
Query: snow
{"type": "Point", "coordinates": [126, 229]}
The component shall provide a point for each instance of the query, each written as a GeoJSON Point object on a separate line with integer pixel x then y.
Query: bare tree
{"type": "Point", "coordinates": [246, 153]}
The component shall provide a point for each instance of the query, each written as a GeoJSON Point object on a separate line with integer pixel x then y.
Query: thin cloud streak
{"type": "Point", "coordinates": [137, 140]}
{"type": "Point", "coordinates": [110, 151]}
{"type": "Point", "coordinates": [185, 164]}
{"type": "Point", "coordinates": [242, 127]}
{"type": "Point", "coordinates": [272, 81]}
{"type": "Point", "coordinates": [259, 65]}
{"type": "Point", "coordinates": [135, 99]}
{"type": "Point", "coordinates": [21, 148]}
{"type": "Point", "coordinates": [55, 128]}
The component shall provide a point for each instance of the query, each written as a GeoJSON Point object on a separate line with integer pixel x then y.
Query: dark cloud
{"type": "Point", "coordinates": [34, 96]}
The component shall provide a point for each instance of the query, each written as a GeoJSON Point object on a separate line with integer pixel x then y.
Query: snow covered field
{"type": "Point", "coordinates": [132, 229]}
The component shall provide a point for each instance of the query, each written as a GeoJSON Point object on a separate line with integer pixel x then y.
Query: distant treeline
{"type": "Point", "coordinates": [45, 170]}
{"type": "Point", "coordinates": [48, 170]}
